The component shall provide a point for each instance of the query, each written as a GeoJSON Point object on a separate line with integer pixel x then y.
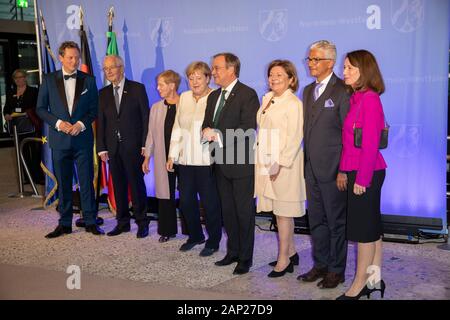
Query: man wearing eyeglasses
{"type": "Point", "coordinates": [121, 134]}
{"type": "Point", "coordinates": [326, 103]}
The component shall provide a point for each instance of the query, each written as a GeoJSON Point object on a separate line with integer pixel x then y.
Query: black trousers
{"type": "Point", "coordinates": [200, 180]}
{"type": "Point", "coordinates": [238, 210]}
{"type": "Point", "coordinates": [167, 210]}
{"type": "Point", "coordinates": [126, 170]}
{"type": "Point", "coordinates": [327, 220]}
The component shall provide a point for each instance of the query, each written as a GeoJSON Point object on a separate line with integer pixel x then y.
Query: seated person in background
{"type": "Point", "coordinates": [23, 100]}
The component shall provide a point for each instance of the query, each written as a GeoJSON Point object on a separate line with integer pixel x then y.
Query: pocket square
{"type": "Point", "coordinates": [329, 103]}
{"type": "Point", "coordinates": [84, 91]}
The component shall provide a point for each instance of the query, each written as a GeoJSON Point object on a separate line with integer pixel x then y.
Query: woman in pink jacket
{"type": "Point", "coordinates": [363, 170]}
{"type": "Point", "coordinates": [160, 124]}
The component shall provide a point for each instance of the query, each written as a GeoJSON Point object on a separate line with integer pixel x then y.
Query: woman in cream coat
{"type": "Point", "coordinates": [194, 163]}
{"type": "Point", "coordinates": [279, 178]}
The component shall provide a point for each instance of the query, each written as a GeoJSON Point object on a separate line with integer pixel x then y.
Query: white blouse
{"type": "Point", "coordinates": [186, 147]}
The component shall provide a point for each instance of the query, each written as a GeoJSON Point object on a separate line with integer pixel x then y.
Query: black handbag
{"type": "Point", "coordinates": [20, 120]}
{"type": "Point", "coordinates": [23, 124]}
{"type": "Point", "coordinates": [357, 133]}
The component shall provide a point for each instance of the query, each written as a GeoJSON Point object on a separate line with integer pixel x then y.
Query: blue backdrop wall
{"type": "Point", "coordinates": [410, 39]}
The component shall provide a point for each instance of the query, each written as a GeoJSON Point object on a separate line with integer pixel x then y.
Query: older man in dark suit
{"type": "Point", "coordinates": [121, 134]}
{"type": "Point", "coordinates": [326, 103]}
{"type": "Point", "coordinates": [230, 121]}
{"type": "Point", "coordinates": [68, 103]}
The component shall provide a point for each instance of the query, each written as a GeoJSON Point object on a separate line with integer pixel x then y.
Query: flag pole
{"type": "Point", "coordinates": [38, 39]}
{"type": "Point", "coordinates": [110, 18]}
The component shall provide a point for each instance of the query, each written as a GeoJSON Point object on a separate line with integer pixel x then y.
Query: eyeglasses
{"type": "Point", "coordinates": [106, 69]}
{"type": "Point", "coordinates": [315, 60]}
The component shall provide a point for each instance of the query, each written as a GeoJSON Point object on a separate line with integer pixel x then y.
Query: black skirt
{"type": "Point", "coordinates": [363, 212]}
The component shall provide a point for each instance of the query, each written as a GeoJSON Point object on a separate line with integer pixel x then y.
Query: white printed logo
{"type": "Point", "coordinates": [74, 280]}
{"type": "Point", "coordinates": [73, 20]}
{"type": "Point", "coordinates": [161, 31]}
{"type": "Point", "coordinates": [273, 24]}
{"type": "Point", "coordinates": [374, 20]}
{"type": "Point", "coordinates": [407, 15]}
{"type": "Point", "coordinates": [374, 279]}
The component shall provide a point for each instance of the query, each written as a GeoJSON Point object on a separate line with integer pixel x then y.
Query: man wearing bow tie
{"type": "Point", "coordinates": [68, 103]}
{"type": "Point", "coordinates": [121, 134]}
{"type": "Point", "coordinates": [230, 120]}
{"type": "Point", "coordinates": [326, 104]}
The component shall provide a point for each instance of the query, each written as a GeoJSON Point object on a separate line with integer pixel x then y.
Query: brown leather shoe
{"type": "Point", "coordinates": [331, 280]}
{"type": "Point", "coordinates": [312, 275]}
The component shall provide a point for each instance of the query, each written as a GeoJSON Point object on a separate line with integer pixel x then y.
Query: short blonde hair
{"type": "Point", "coordinates": [198, 66]}
{"type": "Point", "coordinates": [170, 76]}
{"type": "Point", "coordinates": [17, 71]}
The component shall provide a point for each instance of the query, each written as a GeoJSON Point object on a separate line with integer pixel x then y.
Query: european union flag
{"type": "Point", "coordinates": [51, 185]}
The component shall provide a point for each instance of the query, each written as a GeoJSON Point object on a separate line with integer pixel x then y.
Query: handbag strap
{"type": "Point", "coordinates": [386, 124]}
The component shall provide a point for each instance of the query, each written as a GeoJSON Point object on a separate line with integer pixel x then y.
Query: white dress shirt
{"type": "Point", "coordinates": [69, 88]}
{"type": "Point", "coordinates": [324, 83]}
{"type": "Point", "coordinates": [227, 94]}
{"type": "Point", "coordinates": [120, 91]}
{"type": "Point", "coordinates": [229, 88]}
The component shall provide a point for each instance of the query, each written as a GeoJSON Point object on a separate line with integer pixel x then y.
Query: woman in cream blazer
{"type": "Point", "coordinates": [194, 163]}
{"type": "Point", "coordinates": [279, 178]}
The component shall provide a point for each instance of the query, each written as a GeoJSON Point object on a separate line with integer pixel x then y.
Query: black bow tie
{"type": "Point", "coordinates": [68, 76]}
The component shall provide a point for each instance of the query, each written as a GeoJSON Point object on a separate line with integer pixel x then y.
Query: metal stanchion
{"type": "Point", "coordinates": [21, 193]}
{"type": "Point", "coordinates": [24, 141]}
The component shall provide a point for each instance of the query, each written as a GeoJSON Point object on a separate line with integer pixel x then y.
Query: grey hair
{"type": "Point", "coordinates": [327, 46]}
{"type": "Point", "coordinates": [117, 59]}
{"type": "Point", "coordinates": [21, 71]}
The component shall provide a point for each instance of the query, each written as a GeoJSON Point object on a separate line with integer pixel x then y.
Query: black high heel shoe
{"type": "Point", "coordinates": [276, 274]}
{"type": "Point", "coordinates": [294, 259]}
{"type": "Point", "coordinates": [381, 289]}
{"type": "Point", "coordinates": [364, 292]}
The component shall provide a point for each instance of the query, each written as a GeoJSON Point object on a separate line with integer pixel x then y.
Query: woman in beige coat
{"type": "Point", "coordinates": [279, 178]}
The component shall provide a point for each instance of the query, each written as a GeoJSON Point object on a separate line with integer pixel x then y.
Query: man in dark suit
{"type": "Point", "coordinates": [326, 103]}
{"type": "Point", "coordinates": [122, 130]}
{"type": "Point", "coordinates": [230, 112]}
{"type": "Point", "coordinates": [68, 103]}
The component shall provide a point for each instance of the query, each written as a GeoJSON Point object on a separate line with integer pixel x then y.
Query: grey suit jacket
{"type": "Point", "coordinates": [131, 122]}
{"type": "Point", "coordinates": [324, 119]}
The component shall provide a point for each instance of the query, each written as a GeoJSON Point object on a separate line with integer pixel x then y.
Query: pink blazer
{"type": "Point", "coordinates": [155, 147]}
{"type": "Point", "coordinates": [370, 118]}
